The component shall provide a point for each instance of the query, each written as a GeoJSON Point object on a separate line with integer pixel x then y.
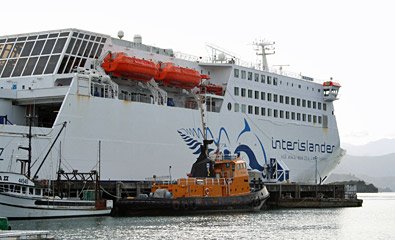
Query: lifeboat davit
{"type": "Point", "coordinates": [177, 76]}
{"type": "Point", "coordinates": [121, 65]}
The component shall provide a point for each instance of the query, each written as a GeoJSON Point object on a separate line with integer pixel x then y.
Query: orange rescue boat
{"type": "Point", "coordinates": [214, 184]}
{"type": "Point", "coordinates": [212, 88]}
{"type": "Point", "coordinates": [179, 76]}
{"type": "Point", "coordinates": [121, 65]}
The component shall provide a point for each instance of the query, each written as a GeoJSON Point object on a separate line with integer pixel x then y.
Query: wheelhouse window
{"type": "Point", "coordinates": [275, 81]}
{"type": "Point", "coordinates": [236, 92]}
{"type": "Point", "coordinates": [275, 97]}
{"type": "Point", "coordinates": [262, 78]}
{"type": "Point", "coordinates": [249, 93]}
{"type": "Point", "coordinates": [36, 55]}
{"type": "Point", "coordinates": [269, 80]}
{"type": "Point", "coordinates": [250, 76]}
{"type": "Point", "coordinates": [243, 92]}
{"type": "Point", "coordinates": [249, 109]}
{"type": "Point", "coordinates": [269, 97]}
{"type": "Point", "coordinates": [236, 73]}
{"type": "Point", "coordinates": [243, 74]}
{"type": "Point", "coordinates": [256, 94]}
{"type": "Point", "coordinates": [243, 108]}
{"type": "Point", "coordinates": [256, 77]}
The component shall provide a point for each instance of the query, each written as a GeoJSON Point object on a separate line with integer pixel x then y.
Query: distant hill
{"type": "Point", "coordinates": [373, 166]}
{"type": "Point", "coordinates": [379, 170]}
{"type": "Point", "coordinates": [337, 177]}
{"type": "Point", "coordinates": [380, 147]}
{"type": "Point", "coordinates": [362, 187]}
{"type": "Point", "coordinates": [383, 184]}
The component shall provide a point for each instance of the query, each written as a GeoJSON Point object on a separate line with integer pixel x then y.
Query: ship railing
{"type": "Point", "coordinates": [201, 181]}
{"type": "Point", "coordinates": [241, 63]}
{"type": "Point", "coordinates": [220, 156]}
{"type": "Point", "coordinates": [140, 98]}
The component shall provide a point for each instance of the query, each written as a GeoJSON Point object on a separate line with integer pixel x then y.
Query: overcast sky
{"type": "Point", "coordinates": [351, 41]}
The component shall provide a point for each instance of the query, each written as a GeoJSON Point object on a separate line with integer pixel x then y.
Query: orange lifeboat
{"type": "Point", "coordinates": [179, 76]}
{"type": "Point", "coordinates": [129, 67]}
{"type": "Point", "coordinates": [212, 88]}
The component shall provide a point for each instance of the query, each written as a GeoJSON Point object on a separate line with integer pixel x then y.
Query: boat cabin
{"type": "Point", "coordinates": [17, 184]}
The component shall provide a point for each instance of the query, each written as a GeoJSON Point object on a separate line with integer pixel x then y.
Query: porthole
{"type": "Point", "coordinates": [229, 106]}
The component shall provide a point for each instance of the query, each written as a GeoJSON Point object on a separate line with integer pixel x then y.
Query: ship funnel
{"type": "Point", "coordinates": [121, 34]}
{"type": "Point", "coordinates": [137, 39]}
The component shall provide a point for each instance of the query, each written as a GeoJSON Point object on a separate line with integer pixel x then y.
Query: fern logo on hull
{"type": "Point", "coordinates": [256, 158]}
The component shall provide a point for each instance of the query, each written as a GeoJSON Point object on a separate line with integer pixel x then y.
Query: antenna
{"type": "Point", "coordinates": [219, 54]}
{"type": "Point", "coordinates": [280, 66]}
{"type": "Point", "coordinates": [264, 48]}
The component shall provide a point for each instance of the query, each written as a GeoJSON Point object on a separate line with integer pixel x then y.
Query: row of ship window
{"type": "Point", "coordinates": [250, 76]}
{"type": "Point", "coordinates": [275, 113]}
{"type": "Point", "coordinates": [264, 79]}
{"type": "Point", "coordinates": [243, 92]}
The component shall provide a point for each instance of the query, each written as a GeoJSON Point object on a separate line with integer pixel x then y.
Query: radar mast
{"type": "Point", "coordinates": [264, 48]}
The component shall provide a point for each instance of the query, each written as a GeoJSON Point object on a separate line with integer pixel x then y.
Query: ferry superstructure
{"type": "Point", "coordinates": [284, 126]}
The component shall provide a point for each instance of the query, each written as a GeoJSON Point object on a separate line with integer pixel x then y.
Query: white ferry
{"type": "Point", "coordinates": [139, 101]}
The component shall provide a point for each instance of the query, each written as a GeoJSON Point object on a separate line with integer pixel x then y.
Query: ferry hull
{"type": "Point", "coordinates": [129, 138]}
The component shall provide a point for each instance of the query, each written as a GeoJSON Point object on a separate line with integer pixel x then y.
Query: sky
{"type": "Point", "coordinates": [351, 41]}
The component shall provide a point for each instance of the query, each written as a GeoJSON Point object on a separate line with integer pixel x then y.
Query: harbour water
{"type": "Point", "coordinates": [374, 220]}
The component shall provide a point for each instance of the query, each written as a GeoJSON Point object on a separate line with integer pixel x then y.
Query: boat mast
{"type": "Point", "coordinates": [28, 149]}
{"type": "Point", "coordinates": [49, 150]}
{"type": "Point", "coordinates": [263, 49]}
{"type": "Point", "coordinates": [202, 101]}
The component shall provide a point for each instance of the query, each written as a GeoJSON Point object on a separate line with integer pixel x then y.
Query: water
{"type": "Point", "coordinates": [374, 220]}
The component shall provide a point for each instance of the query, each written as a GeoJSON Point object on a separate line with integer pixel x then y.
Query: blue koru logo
{"type": "Point", "coordinates": [193, 138]}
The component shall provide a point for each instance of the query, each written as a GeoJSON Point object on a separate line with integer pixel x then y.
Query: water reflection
{"type": "Point", "coordinates": [374, 220]}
